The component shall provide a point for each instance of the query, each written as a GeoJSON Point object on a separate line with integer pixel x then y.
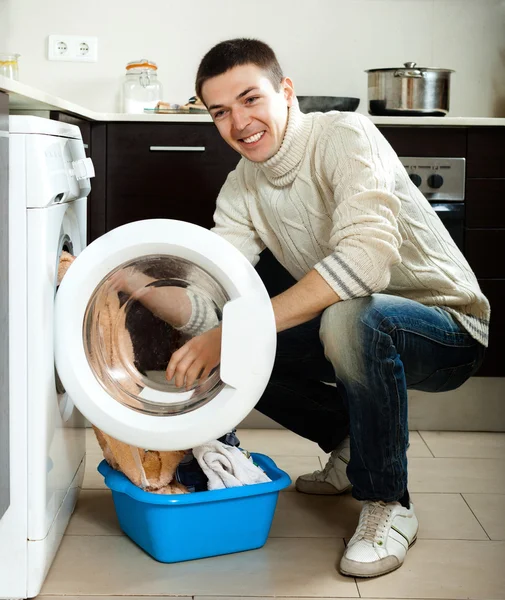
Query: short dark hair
{"type": "Point", "coordinates": [233, 53]}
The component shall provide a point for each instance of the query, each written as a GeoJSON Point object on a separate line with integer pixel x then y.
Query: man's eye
{"type": "Point", "coordinates": [251, 99]}
{"type": "Point", "coordinates": [218, 114]}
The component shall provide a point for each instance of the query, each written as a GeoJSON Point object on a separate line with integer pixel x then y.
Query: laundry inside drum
{"type": "Point", "coordinates": [137, 317]}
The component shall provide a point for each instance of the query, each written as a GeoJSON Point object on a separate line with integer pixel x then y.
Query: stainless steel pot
{"type": "Point", "coordinates": [409, 91]}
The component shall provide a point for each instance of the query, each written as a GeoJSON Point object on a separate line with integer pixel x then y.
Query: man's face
{"type": "Point", "coordinates": [249, 114]}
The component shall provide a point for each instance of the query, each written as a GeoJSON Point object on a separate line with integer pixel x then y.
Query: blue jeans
{"type": "Point", "coordinates": [374, 349]}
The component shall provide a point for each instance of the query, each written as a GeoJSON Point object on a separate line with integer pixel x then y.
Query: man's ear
{"type": "Point", "coordinates": [289, 90]}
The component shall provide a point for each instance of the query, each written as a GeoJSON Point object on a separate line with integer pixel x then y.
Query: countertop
{"type": "Point", "coordinates": [27, 98]}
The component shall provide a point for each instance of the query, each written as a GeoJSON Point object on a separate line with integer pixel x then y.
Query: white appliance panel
{"type": "Point", "coordinates": [55, 450]}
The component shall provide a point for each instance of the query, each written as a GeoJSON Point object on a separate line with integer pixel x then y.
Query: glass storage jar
{"type": "Point", "coordinates": [141, 88]}
{"type": "Point", "coordinates": [9, 65]}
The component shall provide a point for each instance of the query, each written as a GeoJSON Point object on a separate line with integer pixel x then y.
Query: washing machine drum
{"type": "Point", "coordinates": [134, 297]}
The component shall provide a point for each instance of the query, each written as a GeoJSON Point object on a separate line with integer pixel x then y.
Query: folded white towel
{"type": "Point", "coordinates": [226, 466]}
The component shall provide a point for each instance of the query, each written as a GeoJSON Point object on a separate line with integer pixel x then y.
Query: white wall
{"type": "Point", "coordinates": [324, 45]}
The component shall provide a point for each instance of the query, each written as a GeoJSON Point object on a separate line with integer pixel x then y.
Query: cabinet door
{"type": "Point", "coordinates": [165, 170]}
{"type": "Point", "coordinates": [486, 155]}
{"type": "Point", "coordinates": [494, 364]}
{"type": "Point", "coordinates": [485, 251]}
{"type": "Point", "coordinates": [485, 203]}
{"type": "Point", "coordinates": [4, 305]}
{"type": "Point", "coordinates": [426, 141]}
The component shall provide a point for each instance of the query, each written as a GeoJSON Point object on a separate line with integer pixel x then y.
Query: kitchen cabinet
{"type": "Point", "coordinates": [426, 141]}
{"type": "Point", "coordinates": [165, 170]}
{"type": "Point", "coordinates": [485, 231]}
{"type": "Point", "coordinates": [4, 305]}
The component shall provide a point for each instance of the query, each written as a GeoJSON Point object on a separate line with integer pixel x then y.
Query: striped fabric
{"type": "Point", "coordinates": [337, 199]}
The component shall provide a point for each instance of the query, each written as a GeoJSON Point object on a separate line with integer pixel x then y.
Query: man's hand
{"type": "Point", "coordinates": [196, 359]}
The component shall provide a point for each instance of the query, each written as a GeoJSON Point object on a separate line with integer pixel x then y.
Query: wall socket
{"type": "Point", "coordinates": [73, 48]}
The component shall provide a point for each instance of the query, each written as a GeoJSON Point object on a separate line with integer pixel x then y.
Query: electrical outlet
{"type": "Point", "coordinates": [72, 48]}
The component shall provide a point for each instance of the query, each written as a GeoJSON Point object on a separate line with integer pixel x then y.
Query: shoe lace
{"type": "Point", "coordinates": [330, 464]}
{"type": "Point", "coordinates": [373, 521]}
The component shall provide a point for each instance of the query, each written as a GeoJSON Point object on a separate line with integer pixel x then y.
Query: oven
{"type": "Point", "coordinates": [442, 181]}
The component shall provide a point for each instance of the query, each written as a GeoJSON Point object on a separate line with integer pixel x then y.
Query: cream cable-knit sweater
{"type": "Point", "coordinates": [337, 199]}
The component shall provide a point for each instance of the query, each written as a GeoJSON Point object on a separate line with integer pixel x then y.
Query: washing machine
{"type": "Point", "coordinates": [99, 345]}
{"type": "Point", "coordinates": [49, 181]}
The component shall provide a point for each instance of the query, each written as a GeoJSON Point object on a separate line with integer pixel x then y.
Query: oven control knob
{"type": "Point", "coordinates": [435, 181]}
{"type": "Point", "coordinates": [416, 179]}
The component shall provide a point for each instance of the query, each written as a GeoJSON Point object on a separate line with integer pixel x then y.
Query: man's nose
{"type": "Point", "coordinates": [241, 119]}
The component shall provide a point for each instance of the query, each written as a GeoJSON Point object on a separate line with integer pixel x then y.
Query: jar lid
{"type": "Point", "coordinates": [142, 63]}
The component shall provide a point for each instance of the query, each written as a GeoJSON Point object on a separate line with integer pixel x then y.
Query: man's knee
{"type": "Point", "coordinates": [343, 335]}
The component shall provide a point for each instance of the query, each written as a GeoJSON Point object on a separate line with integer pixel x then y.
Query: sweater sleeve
{"type": "Point", "coordinates": [358, 163]}
{"type": "Point", "coordinates": [233, 221]}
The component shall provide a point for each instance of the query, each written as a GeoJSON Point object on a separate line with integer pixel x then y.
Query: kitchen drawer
{"type": "Point", "coordinates": [427, 141]}
{"type": "Point", "coordinates": [165, 170]}
{"type": "Point", "coordinates": [485, 251]}
{"type": "Point", "coordinates": [486, 152]}
{"type": "Point", "coordinates": [485, 203]}
{"type": "Point", "coordinates": [494, 364]}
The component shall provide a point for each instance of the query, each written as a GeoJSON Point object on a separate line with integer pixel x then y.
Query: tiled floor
{"type": "Point", "coordinates": [457, 481]}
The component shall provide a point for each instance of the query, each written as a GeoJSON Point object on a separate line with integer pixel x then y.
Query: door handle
{"type": "Point", "coordinates": [177, 148]}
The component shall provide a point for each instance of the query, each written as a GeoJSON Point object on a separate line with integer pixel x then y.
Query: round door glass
{"type": "Point", "coordinates": [137, 317]}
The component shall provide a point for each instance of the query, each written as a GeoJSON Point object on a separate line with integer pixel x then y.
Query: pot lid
{"type": "Point", "coordinates": [408, 66]}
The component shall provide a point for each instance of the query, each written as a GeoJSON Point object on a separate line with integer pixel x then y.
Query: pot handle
{"type": "Point", "coordinates": [409, 71]}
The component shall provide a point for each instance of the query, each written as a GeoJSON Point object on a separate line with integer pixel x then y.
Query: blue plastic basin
{"type": "Point", "coordinates": [174, 528]}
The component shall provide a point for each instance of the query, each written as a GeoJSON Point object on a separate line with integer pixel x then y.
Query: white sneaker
{"type": "Point", "coordinates": [384, 534]}
{"type": "Point", "coordinates": [332, 479]}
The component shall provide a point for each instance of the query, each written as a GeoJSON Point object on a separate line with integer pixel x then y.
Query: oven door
{"type": "Point", "coordinates": [452, 215]}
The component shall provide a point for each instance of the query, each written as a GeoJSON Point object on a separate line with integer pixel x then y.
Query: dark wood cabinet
{"type": "Point", "coordinates": [494, 290]}
{"type": "Point", "coordinates": [165, 170]}
{"type": "Point", "coordinates": [4, 305]}
{"type": "Point", "coordinates": [485, 203]}
{"type": "Point", "coordinates": [426, 141]}
{"type": "Point", "coordinates": [485, 231]}
{"type": "Point", "coordinates": [486, 152]}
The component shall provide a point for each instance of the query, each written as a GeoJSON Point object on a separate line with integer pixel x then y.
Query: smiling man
{"type": "Point", "coordinates": [383, 300]}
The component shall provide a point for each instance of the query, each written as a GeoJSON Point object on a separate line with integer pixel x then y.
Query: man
{"type": "Point", "coordinates": [382, 296]}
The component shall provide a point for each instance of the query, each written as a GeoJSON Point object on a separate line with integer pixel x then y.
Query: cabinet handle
{"type": "Point", "coordinates": [177, 148]}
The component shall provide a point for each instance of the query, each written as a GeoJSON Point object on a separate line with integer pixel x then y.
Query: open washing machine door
{"type": "Point", "coordinates": [131, 299]}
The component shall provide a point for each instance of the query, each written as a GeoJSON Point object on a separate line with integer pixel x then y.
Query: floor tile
{"type": "Point", "coordinates": [446, 517]}
{"type": "Point", "coordinates": [94, 515]}
{"type": "Point", "coordinates": [113, 565]}
{"type": "Point", "coordinates": [454, 444]}
{"type": "Point", "coordinates": [279, 442]}
{"type": "Point", "coordinates": [417, 449]}
{"type": "Point", "coordinates": [91, 441]}
{"type": "Point", "coordinates": [490, 510]}
{"type": "Point", "coordinates": [444, 569]}
{"type": "Point", "coordinates": [92, 478]}
{"type": "Point", "coordinates": [457, 475]}
{"type": "Point", "coordinates": [286, 443]}
{"type": "Point", "coordinates": [304, 516]}
{"type": "Point", "coordinates": [296, 466]}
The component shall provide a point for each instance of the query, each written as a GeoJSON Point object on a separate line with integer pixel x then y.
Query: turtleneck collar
{"type": "Point", "coordinates": [282, 168]}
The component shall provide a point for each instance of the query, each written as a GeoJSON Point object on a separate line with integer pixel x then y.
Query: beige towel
{"type": "Point", "coordinates": [149, 469]}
